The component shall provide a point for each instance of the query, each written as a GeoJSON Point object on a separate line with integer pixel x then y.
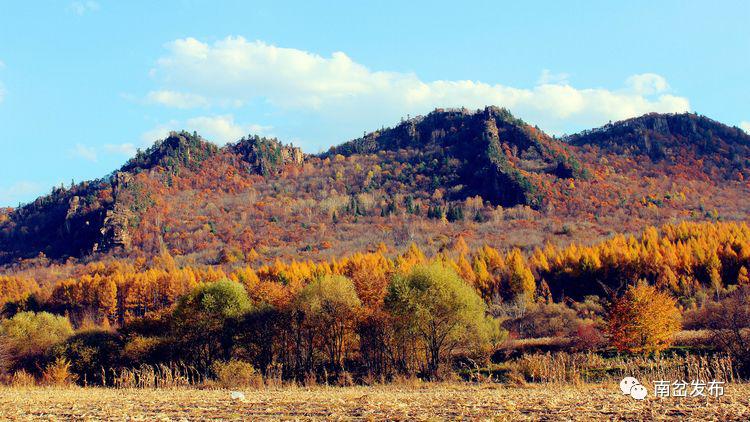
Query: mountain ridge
{"type": "Point", "coordinates": [452, 165]}
{"type": "Point", "coordinates": [496, 151]}
{"type": "Point", "coordinates": [683, 138]}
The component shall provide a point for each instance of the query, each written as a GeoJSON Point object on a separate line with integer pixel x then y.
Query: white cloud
{"type": "Point", "coordinates": [218, 129]}
{"type": "Point", "coordinates": [176, 99]}
{"type": "Point", "coordinates": [80, 8]}
{"type": "Point", "coordinates": [223, 129]}
{"type": "Point", "coordinates": [159, 132]}
{"type": "Point", "coordinates": [745, 126]}
{"type": "Point", "coordinates": [87, 153]}
{"type": "Point", "coordinates": [338, 88]}
{"type": "Point", "coordinates": [647, 83]}
{"type": "Point", "coordinates": [547, 77]}
{"type": "Point", "coordinates": [127, 149]}
{"type": "Point", "coordinates": [19, 191]}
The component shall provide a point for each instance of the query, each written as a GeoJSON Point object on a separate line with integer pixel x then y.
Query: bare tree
{"type": "Point", "coordinates": [729, 323]}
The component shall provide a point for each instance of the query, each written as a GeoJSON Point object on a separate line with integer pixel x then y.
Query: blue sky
{"type": "Point", "coordinates": [85, 83]}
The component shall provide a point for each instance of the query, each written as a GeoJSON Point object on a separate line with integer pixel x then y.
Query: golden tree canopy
{"type": "Point", "coordinates": [644, 320]}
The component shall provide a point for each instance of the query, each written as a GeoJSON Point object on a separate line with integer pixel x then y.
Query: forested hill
{"type": "Point", "coordinates": [488, 153]}
{"type": "Point", "coordinates": [96, 216]}
{"type": "Point", "coordinates": [484, 175]}
{"type": "Point", "coordinates": [695, 142]}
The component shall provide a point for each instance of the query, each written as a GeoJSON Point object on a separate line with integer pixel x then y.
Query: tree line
{"type": "Point", "coordinates": [371, 313]}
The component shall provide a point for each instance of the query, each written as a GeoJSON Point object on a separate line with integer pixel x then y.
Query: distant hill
{"type": "Point", "coordinates": [483, 175]}
{"type": "Point", "coordinates": [491, 153]}
{"type": "Point", "coordinates": [99, 215]}
{"type": "Point", "coordinates": [689, 140]}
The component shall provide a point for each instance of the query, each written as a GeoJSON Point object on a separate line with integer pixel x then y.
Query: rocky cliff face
{"type": "Point", "coordinates": [114, 230]}
{"type": "Point", "coordinates": [64, 223]}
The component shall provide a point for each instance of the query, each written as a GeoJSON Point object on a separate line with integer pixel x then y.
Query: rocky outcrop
{"type": "Point", "coordinates": [292, 155]}
{"type": "Point", "coordinates": [178, 151]}
{"type": "Point", "coordinates": [114, 231]}
{"type": "Point", "coordinates": [73, 206]}
{"type": "Point", "coordinates": [266, 156]}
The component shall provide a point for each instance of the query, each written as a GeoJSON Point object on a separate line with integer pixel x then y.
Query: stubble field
{"type": "Point", "coordinates": [428, 402]}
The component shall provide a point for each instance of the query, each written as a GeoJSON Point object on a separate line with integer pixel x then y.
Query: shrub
{"type": "Point", "coordinates": [728, 321]}
{"type": "Point", "coordinates": [58, 373]}
{"type": "Point", "coordinates": [591, 308]}
{"type": "Point", "coordinates": [22, 378]}
{"type": "Point", "coordinates": [28, 335]}
{"type": "Point", "coordinates": [91, 353]}
{"type": "Point", "coordinates": [588, 337]}
{"type": "Point", "coordinates": [5, 358]}
{"type": "Point", "coordinates": [545, 320]}
{"type": "Point", "coordinates": [140, 349]}
{"type": "Point", "coordinates": [237, 374]}
{"type": "Point", "coordinates": [344, 379]}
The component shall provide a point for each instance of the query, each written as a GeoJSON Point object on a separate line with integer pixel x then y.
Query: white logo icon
{"type": "Point", "coordinates": [631, 387]}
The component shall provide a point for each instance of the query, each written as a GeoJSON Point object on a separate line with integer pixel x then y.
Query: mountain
{"type": "Point", "coordinates": [100, 215]}
{"type": "Point", "coordinates": [696, 143]}
{"type": "Point", "coordinates": [482, 175]}
{"type": "Point", "coordinates": [488, 153]}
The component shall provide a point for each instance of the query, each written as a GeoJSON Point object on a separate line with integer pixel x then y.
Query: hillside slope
{"type": "Point", "coordinates": [99, 216]}
{"type": "Point", "coordinates": [485, 176]}
{"type": "Point", "coordinates": [489, 153]}
{"type": "Point", "coordinates": [695, 143]}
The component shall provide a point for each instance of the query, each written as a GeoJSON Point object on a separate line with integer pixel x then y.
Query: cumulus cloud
{"type": "Point", "coordinates": [222, 129]}
{"type": "Point", "coordinates": [80, 8]}
{"type": "Point", "coordinates": [176, 99]}
{"type": "Point", "coordinates": [159, 132]}
{"type": "Point", "coordinates": [19, 191]}
{"type": "Point", "coordinates": [647, 83]}
{"type": "Point", "coordinates": [92, 153]}
{"type": "Point", "coordinates": [745, 126]}
{"type": "Point", "coordinates": [339, 88]}
{"type": "Point", "coordinates": [547, 77]}
{"type": "Point", "coordinates": [218, 129]}
{"type": "Point", "coordinates": [127, 149]}
{"type": "Point", "coordinates": [85, 152]}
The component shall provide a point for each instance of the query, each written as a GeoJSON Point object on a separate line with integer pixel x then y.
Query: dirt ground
{"type": "Point", "coordinates": [426, 402]}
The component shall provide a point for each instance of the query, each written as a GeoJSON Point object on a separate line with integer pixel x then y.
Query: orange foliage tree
{"type": "Point", "coordinates": [644, 320]}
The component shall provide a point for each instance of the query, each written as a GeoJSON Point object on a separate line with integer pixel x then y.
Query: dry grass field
{"type": "Point", "coordinates": [426, 402]}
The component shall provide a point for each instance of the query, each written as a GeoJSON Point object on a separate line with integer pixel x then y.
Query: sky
{"type": "Point", "coordinates": [84, 84]}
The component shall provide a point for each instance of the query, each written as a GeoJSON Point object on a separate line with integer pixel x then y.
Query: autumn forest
{"type": "Point", "coordinates": [453, 245]}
